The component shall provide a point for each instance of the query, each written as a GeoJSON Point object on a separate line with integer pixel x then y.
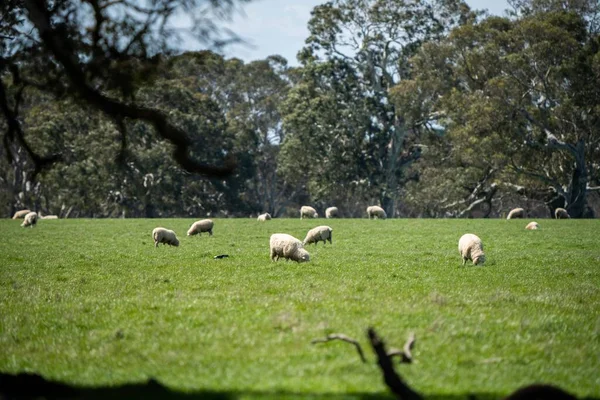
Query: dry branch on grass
{"type": "Point", "coordinates": [405, 354]}
{"type": "Point", "coordinates": [342, 337]}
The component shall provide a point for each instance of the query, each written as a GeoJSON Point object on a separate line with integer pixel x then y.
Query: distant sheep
{"type": "Point", "coordinates": [164, 236]}
{"type": "Point", "coordinates": [21, 214]}
{"type": "Point", "coordinates": [315, 235]}
{"type": "Point", "coordinates": [308, 212]}
{"type": "Point", "coordinates": [30, 219]}
{"type": "Point", "coordinates": [49, 217]}
{"type": "Point", "coordinates": [288, 247]}
{"type": "Point", "coordinates": [205, 225]}
{"type": "Point", "coordinates": [532, 226]}
{"type": "Point", "coordinates": [516, 213]}
{"type": "Point", "coordinates": [376, 212]}
{"type": "Point", "coordinates": [561, 213]}
{"type": "Point", "coordinates": [331, 212]}
{"type": "Point", "coordinates": [264, 217]}
{"type": "Point", "coordinates": [471, 248]}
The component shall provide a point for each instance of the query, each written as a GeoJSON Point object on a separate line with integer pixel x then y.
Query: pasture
{"type": "Point", "coordinates": [92, 303]}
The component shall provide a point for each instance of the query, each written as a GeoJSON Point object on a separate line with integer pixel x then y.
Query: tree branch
{"type": "Point", "coordinates": [405, 354]}
{"type": "Point", "coordinates": [342, 337]}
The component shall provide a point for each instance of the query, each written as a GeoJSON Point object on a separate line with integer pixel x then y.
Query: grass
{"type": "Point", "coordinates": [92, 303]}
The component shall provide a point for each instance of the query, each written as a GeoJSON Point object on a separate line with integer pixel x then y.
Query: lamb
{"type": "Point", "coordinates": [561, 213]}
{"type": "Point", "coordinates": [471, 248]}
{"type": "Point", "coordinates": [21, 214]}
{"type": "Point", "coordinates": [315, 235]}
{"type": "Point", "coordinates": [376, 212]}
{"type": "Point", "coordinates": [264, 217]}
{"type": "Point", "coordinates": [164, 236]}
{"type": "Point", "coordinates": [204, 225]}
{"type": "Point", "coordinates": [516, 213]}
{"type": "Point", "coordinates": [331, 212]}
{"type": "Point", "coordinates": [532, 226]}
{"type": "Point", "coordinates": [288, 247]}
{"type": "Point", "coordinates": [308, 212]}
{"type": "Point", "coordinates": [30, 219]}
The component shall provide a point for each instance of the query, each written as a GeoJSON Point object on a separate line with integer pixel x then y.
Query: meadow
{"type": "Point", "coordinates": [93, 304]}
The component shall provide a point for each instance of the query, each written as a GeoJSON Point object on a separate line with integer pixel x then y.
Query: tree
{"type": "Point", "coordinates": [368, 43]}
{"type": "Point", "coordinates": [521, 98]}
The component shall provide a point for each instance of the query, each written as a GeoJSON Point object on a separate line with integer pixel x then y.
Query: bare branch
{"type": "Point", "coordinates": [405, 354]}
{"type": "Point", "coordinates": [393, 381]}
{"type": "Point", "coordinates": [342, 337]}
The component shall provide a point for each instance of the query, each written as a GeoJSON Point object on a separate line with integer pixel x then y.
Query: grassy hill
{"type": "Point", "coordinates": [92, 303]}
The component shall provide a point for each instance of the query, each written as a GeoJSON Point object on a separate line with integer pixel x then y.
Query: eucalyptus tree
{"type": "Point", "coordinates": [367, 46]}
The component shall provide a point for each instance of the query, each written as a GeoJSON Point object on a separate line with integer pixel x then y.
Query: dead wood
{"type": "Point", "coordinates": [342, 337]}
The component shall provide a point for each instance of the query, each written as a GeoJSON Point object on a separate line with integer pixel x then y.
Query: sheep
{"type": "Point", "coordinates": [315, 235]}
{"type": "Point", "coordinates": [49, 217]}
{"type": "Point", "coordinates": [30, 219]}
{"type": "Point", "coordinates": [331, 212]}
{"type": "Point", "coordinates": [21, 214]}
{"type": "Point", "coordinates": [164, 236]}
{"type": "Point", "coordinates": [205, 225]}
{"type": "Point", "coordinates": [561, 213]}
{"type": "Point", "coordinates": [264, 217]}
{"type": "Point", "coordinates": [308, 212]}
{"type": "Point", "coordinates": [532, 226]}
{"type": "Point", "coordinates": [471, 248]}
{"type": "Point", "coordinates": [288, 247]}
{"type": "Point", "coordinates": [516, 213]}
{"type": "Point", "coordinates": [376, 212]}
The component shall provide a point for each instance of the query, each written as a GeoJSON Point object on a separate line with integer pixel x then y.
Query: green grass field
{"type": "Point", "coordinates": [92, 303]}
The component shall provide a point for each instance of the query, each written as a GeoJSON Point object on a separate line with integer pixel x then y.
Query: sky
{"type": "Point", "coordinates": [279, 27]}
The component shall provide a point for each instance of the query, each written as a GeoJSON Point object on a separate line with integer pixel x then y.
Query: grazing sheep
{"type": "Point", "coordinates": [164, 236]}
{"type": "Point", "coordinates": [315, 235]}
{"type": "Point", "coordinates": [561, 213]}
{"type": "Point", "coordinates": [516, 213]}
{"type": "Point", "coordinates": [205, 225]}
{"type": "Point", "coordinates": [532, 226]}
{"type": "Point", "coordinates": [331, 212]}
{"type": "Point", "coordinates": [21, 214]}
{"type": "Point", "coordinates": [288, 247]}
{"type": "Point", "coordinates": [308, 212]}
{"type": "Point", "coordinates": [49, 217]}
{"type": "Point", "coordinates": [30, 219]}
{"type": "Point", "coordinates": [376, 212]}
{"type": "Point", "coordinates": [264, 217]}
{"type": "Point", "coordinates": [471, 248]}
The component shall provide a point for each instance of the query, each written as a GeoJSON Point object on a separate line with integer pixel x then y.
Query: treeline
{"type": "Point", "coordinates": [428, 109]}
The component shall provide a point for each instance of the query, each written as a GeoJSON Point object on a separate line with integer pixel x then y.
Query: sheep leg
{"type": "Point", "coordinates": [210, 232]}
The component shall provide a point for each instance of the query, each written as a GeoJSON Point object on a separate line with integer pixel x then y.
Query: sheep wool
{"type": "Point", "coordinates": [288, 247]}
{"type": "Point", "coordinates": [471, 248]}
{"type": "Point", "coordinates": [264, 217]}
{"type": "Point", "coordinates": [49, 217]}
{"type": "Point", "coordinates": [376, 212]}
{"type": "Point", "coordinates": [30, 219]}
{"type": "Point", "coordinates": [516, 213]}
{"type": "Point", "coordinates": [204, 225]}
{"type": "Point", "coordinates": [532, 226]}
{"type": "Point", "coordinates": [21, 214]}
{"type": "Point", "coordinates": [320, 233]}
{"type": "Point", "coordinates": [308, 212]}
{"type": "Point", "coordinates": [561, 213]}
{"type": "Point", "coordinates": [331, 212]}
{"type": "Point", "coordinates": [164, 236]}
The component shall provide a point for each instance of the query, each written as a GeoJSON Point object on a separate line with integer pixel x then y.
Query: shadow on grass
{"type": "Point", "coordinates": [33, 386]}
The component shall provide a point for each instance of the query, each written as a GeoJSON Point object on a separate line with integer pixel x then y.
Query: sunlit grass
{"type": "Point", "coordinates": [93, 303]}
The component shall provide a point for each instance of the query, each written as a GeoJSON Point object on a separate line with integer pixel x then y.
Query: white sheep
{"type": "Point", "coordinates": [376, 212]}
{"type": "Point", "coordinates": [288, 247]}
{"type": "Point", "coordinates": [471, 248]}
{"type": "Point", "coordinates": [264, 217]}
{"type": "Point", "coordinates": [561, 213]}
{"type": "Point", "coordinates": [331, 212]}
{"type": "Point", "coordinates": [30, 219]}
{"type": "Point", "coordinates": [516, 213]}
{"type": "Point", "coordinates": [164, 236]}
{"type": "Point", "coordinates": [308, 212]}
{"type": "Point", "coordinates": [315, 235]}
{"type": "Point", "coordinates": [49, 217]}
{"type": "Point", "coordinates": [21, 214]}
{"type": "Point", "coordinates": [204, 225]}
{"type": "Point", "coordinates": [532, 226]}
